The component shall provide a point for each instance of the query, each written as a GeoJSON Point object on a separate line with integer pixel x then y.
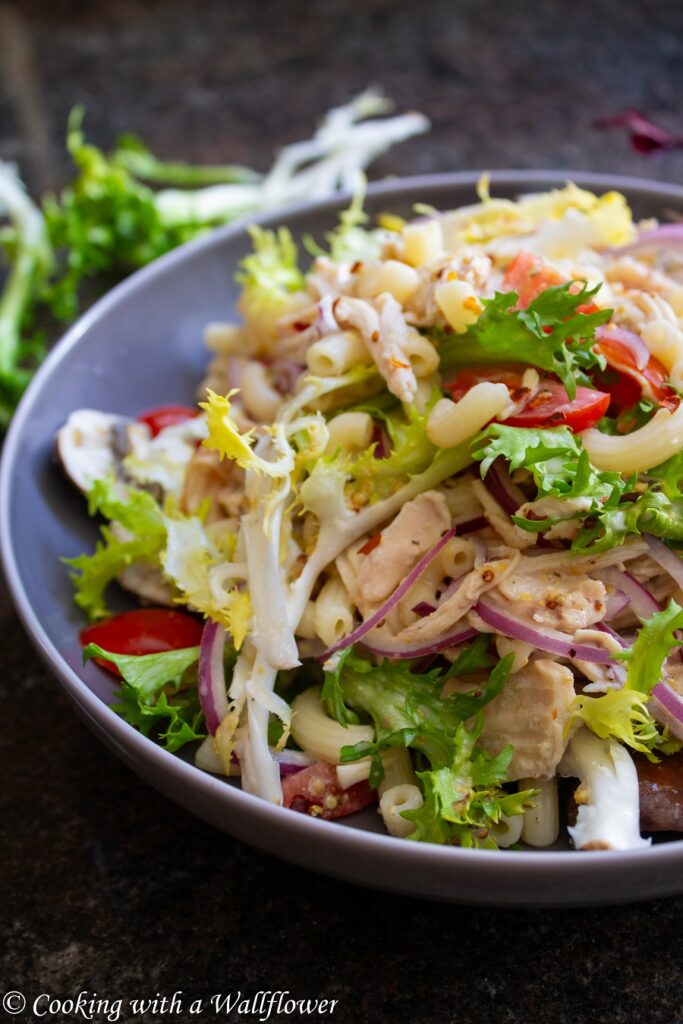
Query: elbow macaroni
{"type": "Point", "coordinates": [542, 821]}
{"type": "Point", "coordinates": [349, 432]}
{"type": "Point", "coordinates": [337, 353]}
{"type": "Point", "coordinates": [451, 423]}
{"type": "Point", "coordinates": [320, 735]}
{"type": "Point", "coordinates": [393, 802]}
{"type": "Point", "coordinates": [332, 612]}
{"type": "Point", "coordinates": [657, 441]}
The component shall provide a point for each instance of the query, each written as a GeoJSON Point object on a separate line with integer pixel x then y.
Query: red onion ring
{"type": "Point", "coordinates": [211, 676]}
{"type": "Point", "coordinates": [501, 488]}
{"type": "Point", "coordinates": [664, 556]}
{"type": "Point", "coordinates": [550, 641]}
{"type": "Point", "coordinates": [641, 600]}
{"type": "Point", "coordinates": [628, 340]}
{"type": "Point", "coordinates": [668, 708]}
{"type": "Point", "coordinates": [391, 601]}
{"type": "Point", "coordinates": [615, 603]}
{"type": "Point", "coordinates": [399, 653]}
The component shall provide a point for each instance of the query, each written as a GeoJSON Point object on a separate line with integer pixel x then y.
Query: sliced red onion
{"type": "Point", "coordinates": [211, 676]}
{"type": "Point", "coordinates": [667, 707]}
{"type": "Point", "coordinates": [381, 442]}
{"type": "Point", "coordinates": [641, 600]}
{"type": "Point", "coordinates": [423, 608]}
{"type": "Point", "coordinates": [325, 322]}
{"type": "Point", "coordinates": [392, 600]}
{"type": "Point", "coordinates": [668, 559]}
{"type": "Point", "coordinates": [501, 488]}
{"type": "Point", "coordinates": [628, 340]}
{"type": "Point", "coordinates": [400, 653]}
{"type": "Point", "coordinates": [615, 603]}
{"type": "Point", "coordinates": [291, 761]}
{"type": "Point", "coordinates": [286, 374]}
{"type": "Point", "coordinates": [546, 640]}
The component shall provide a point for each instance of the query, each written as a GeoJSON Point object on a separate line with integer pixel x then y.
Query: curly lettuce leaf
{"type": "Point", "coordinates": [270, 275]}
{"type": "Point", "coordinates": [464, 800]}
{"type": "Point", "coordinates": [623, 713]}
{"type": "Point", "coordinates": [550, 333]}
{"type": "Point", "coordinates": [158, 692]}
{"type": "Point", "coordinates": [225, 437]}
{"type": "Point", "coordinates": [144, 538]}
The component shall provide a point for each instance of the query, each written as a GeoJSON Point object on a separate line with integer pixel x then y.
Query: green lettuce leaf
{"type": "Point", "coordinates": [624, 713]}
{"type": "Point", "coordinates": [270, 275]}
{"type": "Point", "coordinates": [538, 335]}
{"type": "Point", "coordinates": [462, 788]}
{"type": "Point", "coordinates": [159, 691]}
{"type": "Point", "coordinates": [140, 515]}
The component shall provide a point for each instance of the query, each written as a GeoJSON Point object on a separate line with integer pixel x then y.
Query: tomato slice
{"type": "Point", "coordinates": [646, 372]}
{"type": "Point", "coordinates": [509, 374]}
{"type": "Point", "coordinates": [528, 275]}
{"type": "Point", "coordinates": [316, 791]}
{"type": "Point", "coordinates": [143, 631]}
{"type": "Point", "coordinates": [551, 407]}
{"type": "Point", "coordinates": [163, 416]}
{"type": "Point", "coordinates": [548, 407]}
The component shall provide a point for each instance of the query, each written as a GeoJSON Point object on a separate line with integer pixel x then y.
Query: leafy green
{"type": "Point", "coordinates": [624, 713]}
{"type": "Point", "coordinates": [464, 800]}
{"type": "Point", "coordinates": [652, 512]}
{"type": "Point", "coordinates": [31, 262]}
{"type": "Point", "coordinates": [462, 791]}
{"type": "Point", "coordinates": [270, 274]}
{"type": "Point", "coordinates": [143, 542]}
{"type": "Point", "coordinates": [156, 689]}
{"type": "Point", "coordinates": [411, 453]}
{"type": "Point", "coordinates": [349, 241]}
{"type": "Point", "coordinates": [670, 475]}
{"type": "Point", "coordinates": [558, 463]}
{"type": "Point", "coordinates": [550, 333]}
{"type": "Point", "coordinates": [332, 694]}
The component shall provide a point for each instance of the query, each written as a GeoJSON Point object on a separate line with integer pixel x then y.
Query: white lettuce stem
{"type": "Point", "coordinates": [609, 811]}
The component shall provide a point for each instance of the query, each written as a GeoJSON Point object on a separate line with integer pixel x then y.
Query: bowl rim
{"type": "Point", "coordinates": [123, 736]}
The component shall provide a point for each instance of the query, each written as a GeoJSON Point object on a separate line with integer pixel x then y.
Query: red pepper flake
{"type": "Point", "coordinates": [398, 365]}
{"type": "Point", "coordinates": [646, 136]}
{"type": "Point", "coordinates": [355, 267]}
{"type": "Point", "coordinates": [374, 336]}
{"type": "Point", "coordinates": [301, 325]}
{"type": "Point", "coordinates": [370, 544]}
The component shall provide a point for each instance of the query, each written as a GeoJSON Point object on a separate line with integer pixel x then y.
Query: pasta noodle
{"type": "Point", "coordinates": [332, 612]}
{"type": "Point", "coordinates": [393, 802]}
{"type": "Point", "coordinates": [451, 423]}
{"type": "Point", "coordinates": [657, 441]}
{"type": "Point", "coordinates": [336, 354]}
{"type": "Point", "coordinates": [541, 823]}
{"type": "Point", "coordinates": [320, 735]}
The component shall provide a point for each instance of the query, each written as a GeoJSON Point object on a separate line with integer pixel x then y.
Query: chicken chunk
{"type": "Point", "coordinates": [384, 331]}
{"type": "Point", "coordinates": [416, 529]}
{"type": "Point", "coordinates": [554, 600]}
{"type": "Point", "coordinates": [531, 714]}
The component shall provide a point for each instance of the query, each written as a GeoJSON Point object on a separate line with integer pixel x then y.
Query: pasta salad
{"type": "Point", "coordinates": [425, 525]}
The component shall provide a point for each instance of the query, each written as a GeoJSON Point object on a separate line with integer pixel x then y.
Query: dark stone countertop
{"type": "Point", "coordinates": [105, 886]}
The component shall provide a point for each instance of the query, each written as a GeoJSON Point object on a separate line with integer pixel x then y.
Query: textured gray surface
{"type": "Point", "coordinates": [106, 886]}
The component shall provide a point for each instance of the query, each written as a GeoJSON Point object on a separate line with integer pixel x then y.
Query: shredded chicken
{"type": "Point", "coordinates": [218, 480]}
{"type": "Point", "coordinates": [475, 583]}
{"type": "Point", "coordinates": [531, 713]}
{"type": "Point", "coordinates": [416, 529]}
{"type": "Point", "coordinates": [554, 600]}
{"type": "Point", "coordinates": [382, 328]}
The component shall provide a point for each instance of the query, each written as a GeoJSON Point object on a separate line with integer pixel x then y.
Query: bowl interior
{"type": "Point", "coordinates": [142, 346]}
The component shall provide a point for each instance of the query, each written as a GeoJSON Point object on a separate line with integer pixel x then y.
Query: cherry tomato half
{"type": "Point", "coordinates": [316, 791]}
{"type": "Point", "coordinates": [163, 416]}
{"type": "Point", "coordinates": [143, 631]}
{"type": "Point", "coordinates": [528, 275]}
{"type": "Point", "coordinates": [548, 407]}
{"type": "Point", "coordinates": [551, 407]}
{"type": "Point", "coordinates": [650, 376]}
